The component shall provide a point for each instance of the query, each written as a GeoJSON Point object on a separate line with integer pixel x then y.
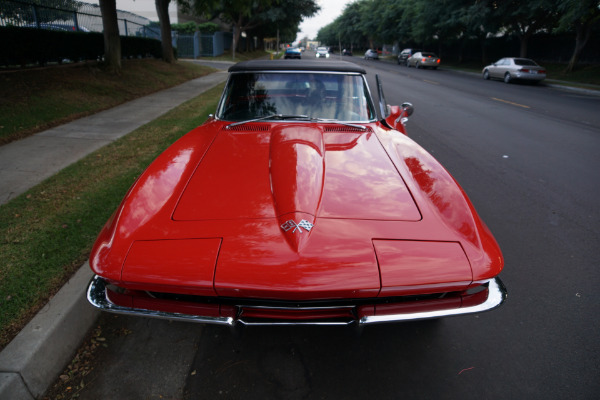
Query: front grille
{"type": "Point", "coordinates": [286, 304]}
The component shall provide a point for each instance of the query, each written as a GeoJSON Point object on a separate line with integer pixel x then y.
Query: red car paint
{"type": "Point", "coordinates": [220, 215]}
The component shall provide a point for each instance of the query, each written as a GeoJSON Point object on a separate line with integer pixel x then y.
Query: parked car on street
{"type": "Point", "coordinates": [293, 52]}
{"type": "Point", "coordinates": [511, 69]}
{"type": "Point", "coordinates": [296, 203]}
{"type": "Point", "coordinates": [405, 54]}
{"type": "Point", "coordinates": [371, 55]}
{"type": "Point", "coordinates": [322, 52]}
{"type": "Point", "coordinates": [347, 52]}
{"type": "Point", "coordinates": [423, 60]}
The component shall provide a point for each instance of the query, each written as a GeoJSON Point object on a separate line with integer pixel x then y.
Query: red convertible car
{"type": "Point", "coordinates": [297, 204]}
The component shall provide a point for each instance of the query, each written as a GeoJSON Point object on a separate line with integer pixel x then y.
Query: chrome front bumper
{"type": "Point", "coordinates": [97, 295]}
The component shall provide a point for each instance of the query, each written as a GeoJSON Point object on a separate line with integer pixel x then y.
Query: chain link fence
{"type": "Point", "coordinates": [71, 15]}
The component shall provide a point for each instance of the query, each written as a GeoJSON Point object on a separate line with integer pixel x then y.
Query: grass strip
{"type": "Point", "coordinates": [37, 99]}
{"type": "Point", "coordinates": [47, 232]}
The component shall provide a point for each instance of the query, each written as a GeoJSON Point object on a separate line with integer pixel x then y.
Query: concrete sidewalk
{"type": "Point", "coordinates": [27, 162]}
{"type": "Point", "coordinates": [34, 359]}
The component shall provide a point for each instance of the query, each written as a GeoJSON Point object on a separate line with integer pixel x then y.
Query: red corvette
{"type": "Point", "coordinates": [296, 204]}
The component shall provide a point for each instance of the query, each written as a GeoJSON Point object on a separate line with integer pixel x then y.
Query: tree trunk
{"type": "Point", "coordinates": [112, 40]}
{"type": "Point", "coordinates": [524, 43]}
{"type": "Point", "coordinates": [238, 32]}
{"type": "Point", "coordinates": [583, 34]}
{"type": "Point", "coordinates": [162, 9]}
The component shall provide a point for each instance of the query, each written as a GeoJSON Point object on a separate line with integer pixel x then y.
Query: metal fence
{"type": "Point", "coordinates": [72, 16]}
{"type": "Point", "coordinates": [200, 45]}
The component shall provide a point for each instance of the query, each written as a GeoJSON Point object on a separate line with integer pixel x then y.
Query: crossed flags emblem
{"type": "Point", "coordinates": [291, 224]}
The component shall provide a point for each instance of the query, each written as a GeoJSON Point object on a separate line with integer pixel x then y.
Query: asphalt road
{"type": "Point", "coordinates": [528, 156]}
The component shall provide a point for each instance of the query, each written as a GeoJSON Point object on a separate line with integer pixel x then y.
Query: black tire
{"type": "Point", "coordinates": [507, 78]}
{"type": "Point", "coordinates": [486, 75]}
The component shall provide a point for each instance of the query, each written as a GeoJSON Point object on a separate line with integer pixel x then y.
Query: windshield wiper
{"type": "Point", "coordinates": [271, 116]}
{"type": "Point", "coordinates": [335, 121]}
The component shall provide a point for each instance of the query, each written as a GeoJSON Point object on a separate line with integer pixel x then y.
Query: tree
{"type": "Point", "coordinates": [240, 13]}
{"type": "Point", "coordinates": [350, 19]}
{"type": "Point", "coordinates": [162, 9]}
{"type": "Point", "coordinates": [582, 16]}
{"type": "Point", "coordinates": [479, 19]}
{"type": "Point", "coordinates": [285, 16]}
{"type": "Point", "coordinates": [263, 17]}
{"type": "Point", "coordinates": [527, 18]}
{"type": "Point", "coordinates": [112, 40]}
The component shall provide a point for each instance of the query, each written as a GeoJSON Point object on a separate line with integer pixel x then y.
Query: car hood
{"type": "Point", "coordinates": [295, 211]}
{"type": "Point", "coordinates": [320, 172]}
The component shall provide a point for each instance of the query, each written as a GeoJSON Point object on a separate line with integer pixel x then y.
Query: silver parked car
{"type": "Point", "coordinates": [510, 69]}
{"type": "Point", "coordinates": [423, 60]}
{"type": "Point", "coordinates": [405, 54]}
{"type": "Point", "coordinates": [371, 55]}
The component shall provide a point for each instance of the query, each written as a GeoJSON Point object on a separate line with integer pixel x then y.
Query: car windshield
{"type": "Point", "coordinates": [427, 54]}
{"type": "Point", "coordinates": [525, 61]}
{"type": "Point", "coordinates": [342, 97]}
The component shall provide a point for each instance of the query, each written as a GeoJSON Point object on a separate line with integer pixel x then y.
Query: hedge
{"type": "Point", "coordinates": [23, 46]}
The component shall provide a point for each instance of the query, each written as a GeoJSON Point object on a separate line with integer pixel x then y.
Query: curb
{"type": "Point", "coordinates": [30, 363]}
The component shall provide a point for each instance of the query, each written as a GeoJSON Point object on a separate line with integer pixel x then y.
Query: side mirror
{"type": "Point", "coordinates": [398, 116]}
{"type": "Point", "coordinates": [407, 110]}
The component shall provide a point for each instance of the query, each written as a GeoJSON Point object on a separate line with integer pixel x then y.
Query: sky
{"type": "Point", "coordinates": [330, 10]}
{"type": "Point", "coordinates": [145, 8]}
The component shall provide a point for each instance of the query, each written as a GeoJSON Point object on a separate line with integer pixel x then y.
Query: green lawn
{"type": "Point", "coordinates": [47, 232]}
{"type": "Point", "coordinates": [37, 99]}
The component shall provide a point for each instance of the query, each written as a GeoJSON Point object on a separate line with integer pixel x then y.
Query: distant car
{"type": "Point", "coordinates": [296, 204]}
{"type": "Point", "coordinates": [423, 60]}
{"type": "Point", "coordinates": [293, 52]}
{"type": "Point", "coordinates": [405, 54]}
{"type": "Point", "coordinates": [510, 69]}
{"type": "Point", "coordinates": [347, 52]}
{"type": "Point", "coordinates": [322, 52]}
{"type": "Point", "coordinates": [371, 55]}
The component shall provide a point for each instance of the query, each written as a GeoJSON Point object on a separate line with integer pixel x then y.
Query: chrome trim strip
{"type": "Point", "coordinates": [96, 295]}
{"type": "Point", "coordinates": [497, 296]}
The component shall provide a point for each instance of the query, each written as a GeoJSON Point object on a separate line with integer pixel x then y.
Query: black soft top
{"type": "Point", "coordinates": [296, 65]}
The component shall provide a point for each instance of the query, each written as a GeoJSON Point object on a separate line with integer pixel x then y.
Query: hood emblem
{"type": "Point", "coordinates": [291, 224]}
